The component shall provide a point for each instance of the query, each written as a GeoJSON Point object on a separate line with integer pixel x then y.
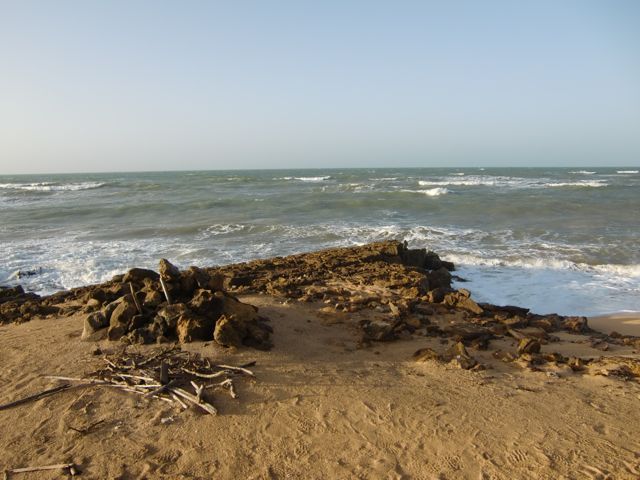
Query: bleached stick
{"type": "Point", "coordinates": [236, 369]}
{"type": "Point", "coordinates": [191, 398]}
{"type": "Point", "coordinates": [166, 292]}
{"type": "Point", "coordinates": [206, 375]}
{"type": "Point", "coordinates": [59, 466]}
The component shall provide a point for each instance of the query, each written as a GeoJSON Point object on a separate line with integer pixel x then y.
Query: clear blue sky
{"type": "Point", "coordinates": [158, 85]}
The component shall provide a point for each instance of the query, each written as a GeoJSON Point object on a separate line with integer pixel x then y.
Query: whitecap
{"type": "Point", "coordinates": [583, 172]}
{"type": "Point", "coordinates": [52, 187]}
{"type": "Point", "coordinates": [313, 179]}
{"type": "Point", "coordinates": [627, 171]}
{"type": "Point", "coordinates": [432, 192]}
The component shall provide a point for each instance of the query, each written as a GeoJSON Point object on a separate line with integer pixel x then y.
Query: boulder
{"type": "Point", "coordinates": [440, 278]}
{"type": "Point", "coordinates": [92, 323]}
{"type": "Point", "coordinates": [170, 314]}
{"type": "Point", "coordinates": [207, 303]}
{"type": "Point", "coordinates": [120, 319]}
{"type": "Point", "coordinates": [425, 354]}
{"type": "Point", "coordinates": [191, 326]}
{"type": "Point", "coordinates": [229, 332]}
{"type": "Point", "coordinates": [576, 324]}
{"type": "Point", "coordinates": [137, 275]}
{"type": "Point", "coordinates": [168, 271]}
{"type": "Point", "coordinates": [378, 330]}
{"type": "Point", "coordinates": [528, 346]}
{"type": "Point", "coordinates": [152, 299]}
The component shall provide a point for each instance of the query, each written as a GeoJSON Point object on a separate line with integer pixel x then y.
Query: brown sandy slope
{"type": "Point", "coordinates": [320, 408]}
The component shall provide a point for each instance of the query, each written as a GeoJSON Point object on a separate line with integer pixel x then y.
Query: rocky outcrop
{"type": "Point", "coordinates": [200, 310]}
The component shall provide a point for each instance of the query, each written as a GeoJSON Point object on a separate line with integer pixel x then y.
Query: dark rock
{"type": "Point", "coordinates": [440, 278]}
{"type": "Point", "coordinates": [7, 292]}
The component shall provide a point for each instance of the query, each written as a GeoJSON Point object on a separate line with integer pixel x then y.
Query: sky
{"type": "Point", "coordinates": [138, 85]}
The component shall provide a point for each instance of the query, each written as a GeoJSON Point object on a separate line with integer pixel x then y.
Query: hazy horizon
{"type": "Point", "coordinates": [150, 86]}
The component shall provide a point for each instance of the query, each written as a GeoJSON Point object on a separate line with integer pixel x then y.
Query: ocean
{"type": "Point", "coordinates": [562, 240]}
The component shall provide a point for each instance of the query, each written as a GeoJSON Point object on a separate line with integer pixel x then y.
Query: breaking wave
{"type": "Point", "coordinates": [52, 186]}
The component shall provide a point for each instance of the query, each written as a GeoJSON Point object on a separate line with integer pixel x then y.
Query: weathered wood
{"type": "Point", "coordinates": [166, 292]}
{"type": "Point", "coordinates": [35, 396]}
{"type": "Point", "coordinates": [59, 466]}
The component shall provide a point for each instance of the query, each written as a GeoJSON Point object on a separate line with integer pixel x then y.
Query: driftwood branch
{"type": "Point", "coordinates": [194, 400]}
{"type": "Point", "coordinates": [166, 292]}
{"type": "Point", "coordinates": [60, 466]}
{"type": "Point", "coordinates": [35, 396]}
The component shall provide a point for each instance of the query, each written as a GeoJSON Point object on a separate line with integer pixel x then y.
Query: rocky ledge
{"type": "Point", "coordinates": [390, 290]}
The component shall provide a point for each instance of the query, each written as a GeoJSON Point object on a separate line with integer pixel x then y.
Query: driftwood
{"type": "Point", "coordinates": [169, 375]}
{"type": "Point", "coordinates": [166, 292]}
{"type": "Point", "coordinates": [35, 397]}
{"type": "Point", "coordinates": [60, 466]}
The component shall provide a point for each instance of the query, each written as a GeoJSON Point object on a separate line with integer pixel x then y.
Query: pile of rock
{"type": "Point", "coordinates": [16, 305]}
{"type": "Point", "coordinates": [169, 304]}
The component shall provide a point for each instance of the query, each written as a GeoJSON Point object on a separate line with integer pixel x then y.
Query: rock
{"type": "Point", "coordinates": [440, 278]}
{"type": "Point", "coordinates": [92, 305]}
{"type": "Point", "coordinates": [8, 292]}
{"type": "Point", "coordinates": [191, 326]}
{"type": "Point", "coordinates": [413, 322]}
{"type": "Point", "coordinates": [528, 345]}
{"type": "Point", "coordinates": [120, 319]}
{"type": "Point", "coordinates": [425, 354]}
{"type": "Point", "coordinates": [170, 314]}
{"type": "Point", "coordinates": [395, 311]}
{"type": "Point", "coordinates": [576, 324]}
{"type": "Point", "coordinates": [438, 295]}
{"type": "Point", "coordinates": [233, 307]}
{"type": "Point", "coordinates": [623, 367]}
{"type": "Point", "coordinates": [460, 357]}
{"type": "Point", "coordinates": [462, 299]}
{"type": "Point", "coordinates": [168, 271]}
{"type": "Point", "coordinates": [137, 275]}
{"type": "Point", "coordinates": [378, 330]}
{"type": "Point", "coordinates": [141, 336]}
{"type": "Point", "coordinates": [207, 303]}
{"type": "Point", "coordinates": [229, 332]}
{"type": "Point", "coordinates": [152, 299]}
{"type": "Point", "coordinates": [92, 323]}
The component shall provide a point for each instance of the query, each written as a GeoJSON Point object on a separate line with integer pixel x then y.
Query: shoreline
{"type": "Point", "coordinates": [367, 365]}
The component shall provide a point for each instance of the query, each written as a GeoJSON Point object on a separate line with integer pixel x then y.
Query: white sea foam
{"type": "Point", "coordinates": [51, 186]}
{"type": "Point", "coordinates": [627, 171]}
{"type": "Point", "coordinates": [459, 174]}
{"type": "Point", "coordinates": [582, 183]}
{"type": "Point", "coordinates": [583, 172]}
{"type": "Point", "coordinates": [509, 182]}
{"type": "Point", "coordinates": [432, 192]}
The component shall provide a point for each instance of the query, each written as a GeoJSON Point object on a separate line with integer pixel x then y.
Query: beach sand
{"type": "Point", "coordinates": [321, 407]}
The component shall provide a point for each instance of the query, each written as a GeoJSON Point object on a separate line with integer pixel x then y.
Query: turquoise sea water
{"type": "Point", "coordinates": [556, 240]}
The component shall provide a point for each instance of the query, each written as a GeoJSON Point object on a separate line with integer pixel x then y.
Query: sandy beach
{"type": "Point", "coordinates": [325, 405]}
